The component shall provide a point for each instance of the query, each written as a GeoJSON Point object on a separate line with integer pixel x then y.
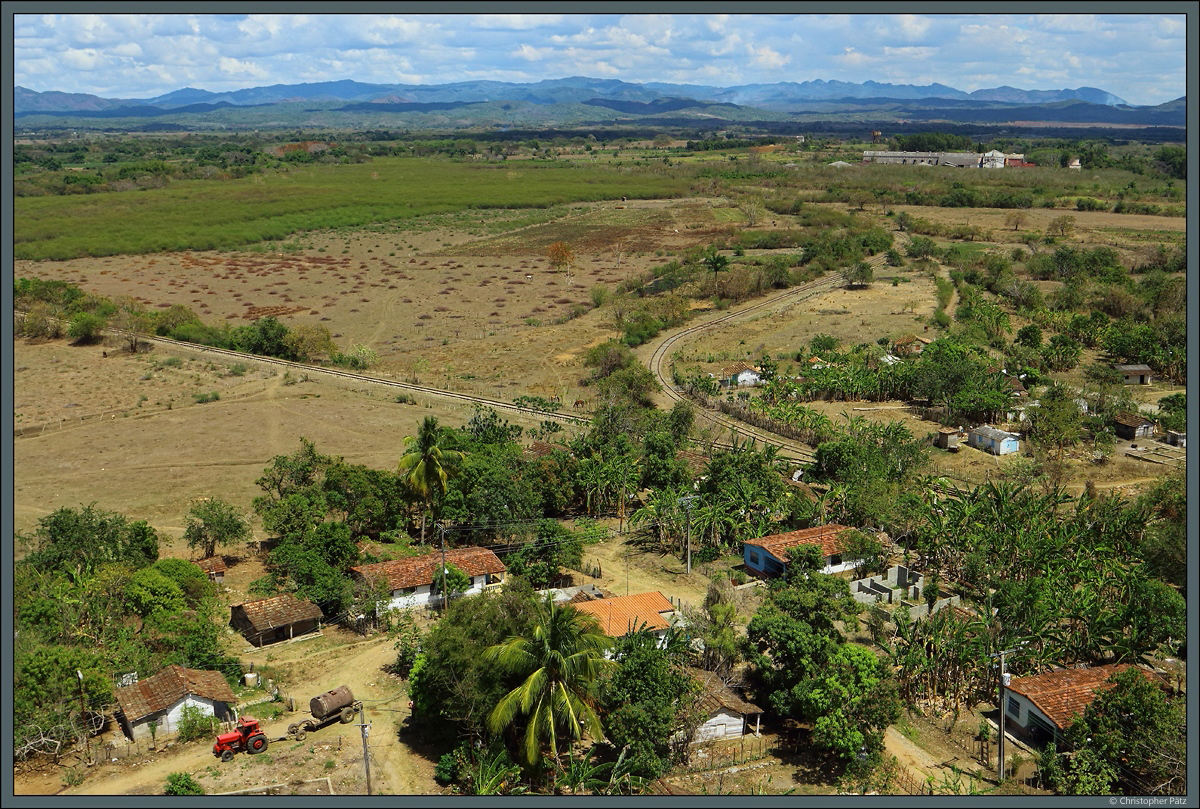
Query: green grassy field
{"type": "Point", "coordinates": [207, 215]}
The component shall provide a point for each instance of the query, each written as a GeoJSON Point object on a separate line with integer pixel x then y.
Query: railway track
{"type": "Point", "coordinates": [659, 360]}
{"type": "Point", "coordinates": [460, 398]}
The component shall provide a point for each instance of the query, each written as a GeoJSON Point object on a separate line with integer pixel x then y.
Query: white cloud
{"type": "Point", "coordinates": [912, 27]}
{"type": "Point", "coordinates": [530, 53]}
{"type": "Point", "coordinates": [516, 22]}
{"type": "Point", "coordinates": [767, 58]}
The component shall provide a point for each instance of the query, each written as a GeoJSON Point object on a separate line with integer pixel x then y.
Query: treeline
{"type": "Point", "coordinates": [57, 308]}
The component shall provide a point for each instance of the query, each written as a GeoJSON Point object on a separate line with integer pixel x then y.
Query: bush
{"type": "Point", "coordinates": [181, 783]}
{"type": "Point", "coordinates": [205, 398]}
{"type": "Point", "coordinates": [85, 327]}
{"type": "Point", "coordinates": [195, 724]}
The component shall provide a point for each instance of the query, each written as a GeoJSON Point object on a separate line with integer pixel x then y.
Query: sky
{"type": "Point", "coordinates": [1138, 57]}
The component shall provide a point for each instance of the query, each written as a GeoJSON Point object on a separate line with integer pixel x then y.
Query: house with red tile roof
{"type": "Point", "coordinates": [768, 556]}
{"type": "Point", "coordinates": [1045, 705]}
{"type": "Point", "coordinates": [274, 619]}
{"type": "Point", "coordinates": [625, 614]}
{"type": "Point", "coordinates": [163, 697]}
{"type": "Point", "coordinates": [740, 375]}
{"type": "Point", "coordinates": [411, 580]}
{"type": "Point", "coordinates": [215, 567]}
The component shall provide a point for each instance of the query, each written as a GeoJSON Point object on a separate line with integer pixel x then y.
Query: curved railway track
{"type": "Point", "coordinates": [791, 450]}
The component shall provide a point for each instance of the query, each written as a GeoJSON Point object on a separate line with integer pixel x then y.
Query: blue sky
{"type": "Point", "coordinates": [1139, 57]}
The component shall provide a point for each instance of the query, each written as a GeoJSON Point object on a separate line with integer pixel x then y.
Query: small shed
{"type": "Point", "coordinates": [990, 439]}
{"type": "Point", "coordinates": [215, 567]}
{"type": "Point", "coordinates": [1131, 426]}
{"type": "Point", "coordinates": [726, 715]}
{"type": "Point", "coordinates": [270, 620]}
{"type": "Point", "coordinates": [948, 438]}
{"type": "Point", "coordinates": [1177, 439]}
{"type": "Point", "coordinates": [1136, 374]}
{"type": "Point", "coordinates": [161, 699]}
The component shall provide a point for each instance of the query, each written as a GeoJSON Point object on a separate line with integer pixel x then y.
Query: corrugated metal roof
{"type": "Point", "coordinates": [1138, 368]}
{"type": "Point", "coordinates": [416, 571]}
{"type": "Point", "coordinates": [829, 538]}
{"type": "Point", "coordinates": [1063, 695]}
{"type": "Point", "coordinates": [623, 614]}
{"type": "Point", "coordinates": [168, 687]}
{"type": "Point", "coordinates": [992, 433]}
{"type": "Point", "coordinates": [277, 611]}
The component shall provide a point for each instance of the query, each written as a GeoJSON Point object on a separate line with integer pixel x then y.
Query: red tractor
{"type": "Point", "coordinates": [247, 737]}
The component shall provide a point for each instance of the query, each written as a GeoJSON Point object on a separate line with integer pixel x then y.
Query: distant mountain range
{"type": "Point", "coordinates": [507, 103]}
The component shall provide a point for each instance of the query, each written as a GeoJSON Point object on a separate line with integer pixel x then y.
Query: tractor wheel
{"type": "Point", "coordinates": [347, 716]}
{"type": "Point", "coordinates": [292, 728]}
{"type": "Point", "coordinates": [257, 744]}
{"type": "Point", "coordinates": [227, 755]}
{"type": "Point", "coordinates": [301, 734]}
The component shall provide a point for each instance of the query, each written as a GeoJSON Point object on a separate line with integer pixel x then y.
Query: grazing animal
{"type": "Point", "coordinates": [578, 404]}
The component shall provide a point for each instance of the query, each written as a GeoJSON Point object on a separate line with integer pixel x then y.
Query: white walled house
{"type": "Point", "coordinates": [410, 580]}
{"type": "Point", "coordinates": [727, 716]}
{"type": "Point", "coordinates": [163, 697]}
{"type": "Point", "coordinates": [740, 375]}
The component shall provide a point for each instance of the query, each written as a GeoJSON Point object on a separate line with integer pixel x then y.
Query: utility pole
{"type": "Point", "coordinates": [445, 595]}
{"type": "Point", "coordinates": [83, 718]}
{"type": "Point", "coordinates": [365, 728]}
{"type": "Point", "coordinates": [1000, 743]}
{"type": "Point", "coordinates": [687, 504]}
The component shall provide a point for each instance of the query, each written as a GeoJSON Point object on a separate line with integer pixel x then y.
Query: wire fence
{"type": "Point", "coordinates": [704, 759]}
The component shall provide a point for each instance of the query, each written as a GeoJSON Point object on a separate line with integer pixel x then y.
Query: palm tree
{"type": "Point", "coordinates": [562, 661]}
{"type": "Point", "coordinates": [428, 463]}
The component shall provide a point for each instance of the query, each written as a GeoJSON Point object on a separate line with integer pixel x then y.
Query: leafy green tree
{"type": "Point", "coordinates": [645, 701]}
{"type": "Point", "coordinates": [852, 700]}
{"type": "Point", "coordinates": [452, 687]}
{"type": "Point", "coordinates": [85, 327]}
{"type": "Point", "coordinates": [562, 661]}
{"type": "Point", "coordinates": [450, 581]}
{"type": "Point", "coordinates": [1030, 335]}
{"type": "Point", "coordinates": [212, 523]}
{"type": "Point", "coordinates": [1135, 727]}
{"type": "Point", "coordinates": [865, 552]}
{"type": "Point", "coordinates": [84, 539]}
{"type": "Point", "coordinates": [191, 580]}
{"type": "Point", "coordinates": [1056, 421]}
{"type": "Point", "coordinates": [540, 561]}
{"type": "Point", "coordinates": [427, 463]}
{"type": "Point", "coordinates": [859, 274]}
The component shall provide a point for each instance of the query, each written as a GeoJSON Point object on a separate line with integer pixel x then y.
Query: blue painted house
{"type": "Point", "coordinates": [768, 556]}
{"type": "Point", "coordinates": [997, 442]}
